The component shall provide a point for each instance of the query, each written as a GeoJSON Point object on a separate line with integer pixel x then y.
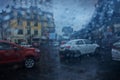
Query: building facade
{"type": "Point", "coordinates": [26, 23]}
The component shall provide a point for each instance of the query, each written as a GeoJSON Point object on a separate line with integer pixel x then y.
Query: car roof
{"type": "Point", "coordinates": [5, 41]}
{"type": "Point", "coordinates": [77, 39]}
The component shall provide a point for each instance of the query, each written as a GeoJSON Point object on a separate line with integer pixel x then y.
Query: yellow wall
{"type": "Point", "coordinates": [13, 23]}
{"type": "Point", "coordinates": [36, 28]}
{"type": "Point", "coordinates": [24, 24]}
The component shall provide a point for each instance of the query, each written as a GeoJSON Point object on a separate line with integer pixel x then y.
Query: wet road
{"type": "Point", "coordinates": [50, 68]}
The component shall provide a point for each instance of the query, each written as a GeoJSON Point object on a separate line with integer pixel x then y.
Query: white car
{"type": "Point", "coordinates": [55, 44]}
{"type": "Point", "coordinates": [79, 46]}
{"type": "Point", "coordinates": [116, 51]}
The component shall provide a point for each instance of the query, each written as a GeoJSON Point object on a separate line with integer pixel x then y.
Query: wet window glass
{"type": "Point", "coordinates": [80, 42]}
{"type": "Point", "coordinates": [20, 31]}
{"type": "Point", "coordinates": [88, 42]}
{"type": "Point", "coordinates": [60, 39]}
{"type": "Point", "coordinates": [5, 46]}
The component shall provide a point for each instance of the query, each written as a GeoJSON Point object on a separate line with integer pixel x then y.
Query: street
{"type": "Point", "coordinates": [86, 33]}
{"type": "Point", "coordinates": [50, 68]}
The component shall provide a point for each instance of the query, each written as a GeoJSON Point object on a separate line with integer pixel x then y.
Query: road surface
{"type": "Point", "coordinates": [50, 68]}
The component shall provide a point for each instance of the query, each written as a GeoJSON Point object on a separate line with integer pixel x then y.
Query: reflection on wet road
{"type": "Point", "coordinates": [50, 68]}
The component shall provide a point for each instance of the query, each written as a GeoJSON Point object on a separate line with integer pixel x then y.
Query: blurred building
{"type": "Point", "coordinates": [116, 18]}
{"type": "Point", "coordinates": [4, 24]}
{"type": "Point", "coordinates": [25, 24]}
{"type": "Point", "coordinates": [107, 14]}
{"type": "Point", "coordinates": [25, 21]}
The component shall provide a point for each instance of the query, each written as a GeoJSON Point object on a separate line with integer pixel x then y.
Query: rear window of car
{"type": "Point", "coordinates": [87, 42]}
{"type": "Point", "coordinates": [79, 42]}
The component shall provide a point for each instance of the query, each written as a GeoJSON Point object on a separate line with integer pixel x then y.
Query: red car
{"type": "Point", "coordinates": [13, 53]}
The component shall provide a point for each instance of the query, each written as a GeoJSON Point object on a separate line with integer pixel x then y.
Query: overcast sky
{"type": "Point", "coordinates": [74, 13]}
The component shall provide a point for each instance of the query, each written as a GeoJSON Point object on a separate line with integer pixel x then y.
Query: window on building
{"type": "Point", "coordinates": [20, 22]}
{"type": "Point", "coordinates": [45, 24]}
{"type": "Point", "coordinates": [20, 31]}
{"type": "Point", "coordinates": [36, 24]}
{"type": "Point", "coordinates": [35, 32]}
{"type": "Point", "coordinates": [28, 23]}
{"type": "Point", "coordinates": [28, 31]}
{"type": "Point", "coordinates": [35, 17]}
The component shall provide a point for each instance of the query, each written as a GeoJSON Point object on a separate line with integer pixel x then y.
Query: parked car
{"type": "Point", "coordinates": [63, 42]}
{"type": "Point", "coordinates": [55, 43]}
{"type": "Point", "coordinates": [116, 51]}
{"type": "Point", "coordinates": [11, 53]}
{"type": "Point", "coordinates": [77, 47]}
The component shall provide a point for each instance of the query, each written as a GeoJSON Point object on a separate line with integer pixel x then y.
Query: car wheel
{"type": "Point", "coordinates": [29, 63]}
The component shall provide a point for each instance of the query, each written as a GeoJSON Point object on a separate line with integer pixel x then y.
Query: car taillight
{"type": "Point", "coordinates": [67, 47]}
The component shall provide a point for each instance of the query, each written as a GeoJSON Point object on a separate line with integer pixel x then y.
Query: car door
{"type": "Point", "coordinates": [17, 53]}
{"type": "Point", "coordinates": [89, 46]}
{"type": "Point", "coordinates": [7, 53]}
{"type": "Point", "coordinates": [2, 52]}
{"type": "Point", "coordinates": [81, 46]}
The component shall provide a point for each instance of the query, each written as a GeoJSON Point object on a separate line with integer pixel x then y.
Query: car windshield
{"type": "Point", "coordinates": [60, 39]}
